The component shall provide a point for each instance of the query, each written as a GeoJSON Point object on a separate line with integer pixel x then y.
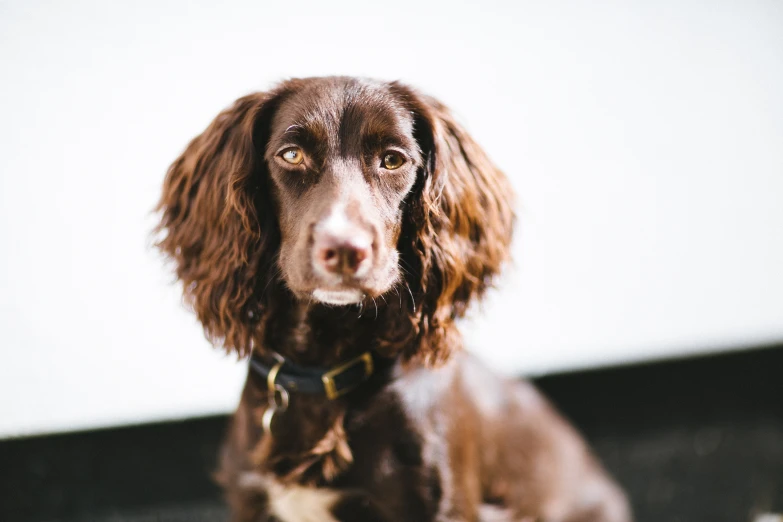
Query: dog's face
{"type": "Point", "coordinates": [332, 191]}
{"type": "Point", "coordinates": [342, 157]}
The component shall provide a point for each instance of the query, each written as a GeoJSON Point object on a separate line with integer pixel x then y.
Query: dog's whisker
{"type": "Point", "coordinates": [413, 301]}
{"type": "Point", "coordinates": [406, 265]}
{"type": "Point", "coordinates": [405, 269]}
{"type": "Point", "coordinates": [268, 282]}
{"type": "Point", "coordinates": [278, 271]}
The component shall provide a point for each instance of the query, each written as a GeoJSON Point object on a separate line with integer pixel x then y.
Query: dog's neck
{"type": "Point", "coordinates": [314, 334]}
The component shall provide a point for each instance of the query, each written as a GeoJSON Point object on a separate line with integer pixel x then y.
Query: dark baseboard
{"type": "Point", "coordinates": [692, 440]}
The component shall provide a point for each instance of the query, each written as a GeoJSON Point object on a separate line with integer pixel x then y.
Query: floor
{"type": "Point", "coordinates": [691, 441]}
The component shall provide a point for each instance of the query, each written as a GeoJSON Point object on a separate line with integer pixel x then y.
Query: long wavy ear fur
{"type": "Point", "coordinates": [218, 224]}
{"type": "Point", "coordinates": [458, 229]}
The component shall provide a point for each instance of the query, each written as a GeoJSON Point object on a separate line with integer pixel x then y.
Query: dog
{"type": "Point", "coordinates": [333, 231]}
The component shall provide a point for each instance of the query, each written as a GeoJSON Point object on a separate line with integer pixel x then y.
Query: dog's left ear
{"type": "Point", "coordinates": [459, 224]}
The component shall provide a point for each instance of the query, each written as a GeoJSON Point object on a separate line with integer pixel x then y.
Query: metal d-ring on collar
{"type": "Point", "coordinates": [275, 391]}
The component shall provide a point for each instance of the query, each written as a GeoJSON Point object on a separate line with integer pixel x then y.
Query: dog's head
{"type": "Point", "coordinates": [336, 191]}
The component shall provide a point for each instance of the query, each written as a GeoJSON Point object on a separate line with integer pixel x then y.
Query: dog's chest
{"type": "Point", "coordinates": [293, 503]}
{"type": "Point", "coordinates": [390, 476]}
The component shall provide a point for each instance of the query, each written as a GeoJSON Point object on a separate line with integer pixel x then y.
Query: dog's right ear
{"type": "Point", "coordinates": [218, 224]}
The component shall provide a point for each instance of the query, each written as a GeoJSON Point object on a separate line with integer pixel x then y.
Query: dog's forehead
{"type": "Point", "coordinates": [328, 108]}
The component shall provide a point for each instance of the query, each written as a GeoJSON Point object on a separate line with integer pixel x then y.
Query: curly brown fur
{"type": "Point", "coordinates": [331, 216]}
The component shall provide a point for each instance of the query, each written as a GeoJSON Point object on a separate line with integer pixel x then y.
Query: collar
{"type": "Point", "coordinates": [331, 382]}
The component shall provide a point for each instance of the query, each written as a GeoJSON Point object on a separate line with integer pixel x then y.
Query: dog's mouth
{"type": "Point", "coordinates": [338, 297]}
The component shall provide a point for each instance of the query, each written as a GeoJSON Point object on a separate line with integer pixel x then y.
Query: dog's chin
{"type": "Point", "coordinates": [338, 297]}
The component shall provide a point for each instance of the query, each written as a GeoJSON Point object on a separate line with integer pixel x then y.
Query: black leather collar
{"type": "Point", "coordinates": [332, 382]}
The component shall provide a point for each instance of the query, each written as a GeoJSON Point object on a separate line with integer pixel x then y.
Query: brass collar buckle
{"type": "Point", "coordinates": [328, 378]}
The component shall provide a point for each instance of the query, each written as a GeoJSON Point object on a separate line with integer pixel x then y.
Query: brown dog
{"type": "Point", "coordinates": [335, 229]}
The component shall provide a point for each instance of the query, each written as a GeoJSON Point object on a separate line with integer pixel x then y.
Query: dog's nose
{"type": "Point", "coordinates": [342, 255]}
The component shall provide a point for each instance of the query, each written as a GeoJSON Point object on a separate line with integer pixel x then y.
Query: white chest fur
{"type": "Point", "coordinates": [294, 503]}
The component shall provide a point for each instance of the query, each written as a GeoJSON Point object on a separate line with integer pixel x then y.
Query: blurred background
{"type": "Point", "coordinates": [645, 140]}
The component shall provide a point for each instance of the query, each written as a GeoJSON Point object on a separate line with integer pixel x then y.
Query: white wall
{"type": "Point", "coordinates": [645, 140]}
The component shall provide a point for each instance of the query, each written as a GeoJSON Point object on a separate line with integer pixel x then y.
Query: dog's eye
{"type": "Point", "coordinates": [392, 161]}
{"type": "Point", "coordinates": [293, 156]}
